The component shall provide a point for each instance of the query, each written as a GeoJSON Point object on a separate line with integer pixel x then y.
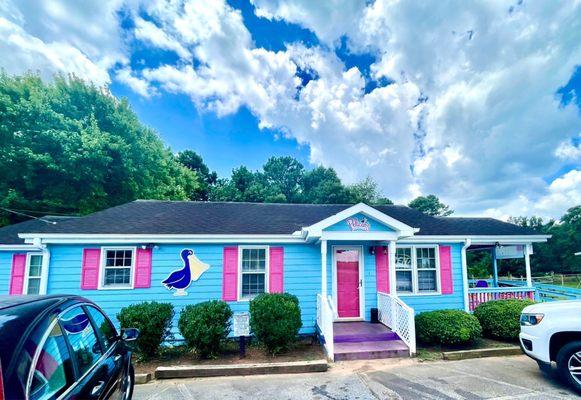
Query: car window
{"type": "Point", "coordinates": [82, 338]}
{"type": "Point", "coordinates": [105, 329]}
{"type": "Point", "coordinates": [52, 373]}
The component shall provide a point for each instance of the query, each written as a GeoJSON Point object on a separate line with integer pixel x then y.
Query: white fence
{"type": "Point", "coordinates": [477, 296]}
{"type": "Point", "coordinates": [325, 318]}
{"type": "Point", "coordinates": [399, 317]}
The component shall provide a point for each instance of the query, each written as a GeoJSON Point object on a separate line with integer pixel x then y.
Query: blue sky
{"type": "Point", "coordinates": [475, 102]}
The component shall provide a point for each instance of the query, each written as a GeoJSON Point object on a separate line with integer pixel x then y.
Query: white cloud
{"type": "Point", "coordinates": [471, 115]}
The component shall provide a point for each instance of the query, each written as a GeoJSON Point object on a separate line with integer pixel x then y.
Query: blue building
{"type": "Point", "coordinates": [341, 261]}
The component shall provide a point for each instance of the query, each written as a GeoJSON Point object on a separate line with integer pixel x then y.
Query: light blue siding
{"type": "Point", "coordinates": [302, 277]}
{"type": "Point", "coordinates": [5, 270]}
{"type": "Point", "coordinates": [436, 302]}
{"type": "Point", "coordinates": [374, 225]}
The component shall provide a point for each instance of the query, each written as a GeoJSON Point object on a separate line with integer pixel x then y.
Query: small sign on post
{"type": "Point", "coordinates": [241, 328]}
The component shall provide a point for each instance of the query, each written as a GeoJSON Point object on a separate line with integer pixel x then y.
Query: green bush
{"type": "Point", "coordinates": [500, 318]}
{"type": "Point", "coordinates": [450, 327]}
{"type": "Point", "coordinates": [275, 320]}
{"type": "Point", "coordinates": [205, 326]}
{"type": "Point", "coordinates": [154, 322]}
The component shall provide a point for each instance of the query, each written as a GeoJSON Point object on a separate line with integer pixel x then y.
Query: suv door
{"type": "Point", "coordinates": [91, 373]}
{"type": "Point", "coordinates": [116, 355]}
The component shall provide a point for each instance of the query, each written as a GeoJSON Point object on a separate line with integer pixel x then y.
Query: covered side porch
{"type": "Point", "coordinates": [483, 287]}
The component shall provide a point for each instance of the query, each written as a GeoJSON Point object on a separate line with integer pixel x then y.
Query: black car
{"type": "Point", "coordinates": [62, 347]}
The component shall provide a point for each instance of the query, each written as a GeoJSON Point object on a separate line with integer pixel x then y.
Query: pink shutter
{"type": "Point", "coordinates": [90, 269]}
{"type": "Point", "coordinates": [382, 269]}
{"type": "Point", "coordinates": [17, 274]}
{"type": "Point", "coordinates": [230, 274]}
{"type": "Point", "coordinates": [276, 270]}
{"type": "Point", "coordinates": [143, 268]}
{"type": "Point", "coordinates": [446, 270]}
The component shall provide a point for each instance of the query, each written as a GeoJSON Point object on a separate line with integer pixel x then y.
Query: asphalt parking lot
{"type": "Point", "coordinates": [515, 377]}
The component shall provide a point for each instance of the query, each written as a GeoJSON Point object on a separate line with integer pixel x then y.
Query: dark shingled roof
{"type": "Point", "coordinates": [9, 234]}
{"type": "Point", "coordinates": [187, 217]}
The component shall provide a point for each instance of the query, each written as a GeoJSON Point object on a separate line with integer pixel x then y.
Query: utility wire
{"type": "Point", "coordinates": [28, 215]}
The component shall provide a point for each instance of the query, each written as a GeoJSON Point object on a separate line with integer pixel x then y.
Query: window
{"type": "Point", "coordinates": [253, 262]}
{"type": "Point", "coordinates": [416, 269]}
{"type": "Point", "coordinates": [105, 330]}
{"type": "Point", "coordinates": [52, 373]}
{"type": "Point", "coordinates": [117, 267]}
{"type": "Point", "coordinates": [82, 338]}
{"type": "Point", "coordinates": [33, 273]}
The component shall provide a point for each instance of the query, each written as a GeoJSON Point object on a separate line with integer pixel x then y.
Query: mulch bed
{"type": "Point", "coordinates": [305, 349]}
{"type": "Point", "coordinates": [430, 353]}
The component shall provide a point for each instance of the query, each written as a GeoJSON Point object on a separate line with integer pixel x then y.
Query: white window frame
{"type": "Point", "coordinates": [415, 284]}
{"type": "Point", "coordinates": [266, 270]}
{"type": "Point", "coordinates": [103, 262]}
{"type": "Point", "coordinates": [27, 270]}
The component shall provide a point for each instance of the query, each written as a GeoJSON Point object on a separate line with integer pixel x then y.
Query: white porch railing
{"type": "Point", "coordinates": [325, 318]}
{"type": "Point", "coordinates": [477, 296]}
{"type": "Point", "coordinates": [399, 317]}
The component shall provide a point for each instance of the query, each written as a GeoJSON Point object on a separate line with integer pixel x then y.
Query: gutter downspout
{"type": "Point", "coordinates": [467, 244]}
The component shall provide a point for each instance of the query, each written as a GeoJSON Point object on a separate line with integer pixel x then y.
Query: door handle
{"type": "Point", "coordinates": [117, 357]}
{"type": "Point", "coordinates": [360, 282]}
{"type": "Point", "coordinates": [98, 388]}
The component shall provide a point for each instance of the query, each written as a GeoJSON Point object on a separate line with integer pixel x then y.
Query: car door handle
{"type": "Point", "coordinates": [117, 357]}
{"type": "Point", "coordinates": [98, 388]}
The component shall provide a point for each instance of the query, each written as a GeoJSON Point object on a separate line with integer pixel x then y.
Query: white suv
{"type": "Point", "coordinates": [551, 332]}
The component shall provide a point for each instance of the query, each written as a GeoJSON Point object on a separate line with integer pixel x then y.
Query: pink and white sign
{"type": "Point", "coordinates": [356, 224]}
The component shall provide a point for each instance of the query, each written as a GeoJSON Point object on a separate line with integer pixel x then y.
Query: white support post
{"type": "Point", "coordinates": [324, 269]}
{"type": "Point", "coordinates": [467, 244]}
{"type": "Point", "coordinates": [528, 252]}
{"type": "Point", "coordinates": [44, 272]}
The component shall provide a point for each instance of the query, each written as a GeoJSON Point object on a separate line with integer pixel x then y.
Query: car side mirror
{"type": "Point", "coordinates": [129, 334]}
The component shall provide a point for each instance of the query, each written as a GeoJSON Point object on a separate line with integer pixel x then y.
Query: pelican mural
{"type": "Point", "coordinates": [180, 279]}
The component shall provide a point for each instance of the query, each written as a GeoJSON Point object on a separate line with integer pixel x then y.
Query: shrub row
{"type": "Point", "coordinates": [275, 321]}
{"type": "Point", "coordinates": [494, 319]}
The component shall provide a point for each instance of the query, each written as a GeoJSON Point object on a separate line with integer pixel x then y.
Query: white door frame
{"type": "Point", "coordinates": [361, 279]}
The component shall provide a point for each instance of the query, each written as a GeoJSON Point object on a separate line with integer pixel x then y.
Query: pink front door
{"type": "Point", "coordinates": [347, 283]}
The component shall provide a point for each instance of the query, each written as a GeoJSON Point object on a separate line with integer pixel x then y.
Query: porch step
{"type": "Point", "coordinates": [370, 350]}
{"type": "Point", "coordinates": [357, 332]}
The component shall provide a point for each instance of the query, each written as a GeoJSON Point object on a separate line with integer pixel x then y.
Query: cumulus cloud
{"type": "Point", "coordinates": [463, 102]}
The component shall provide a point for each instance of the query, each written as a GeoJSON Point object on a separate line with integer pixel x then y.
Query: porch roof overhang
{"type": "Point", "coordinates": [398, 230]}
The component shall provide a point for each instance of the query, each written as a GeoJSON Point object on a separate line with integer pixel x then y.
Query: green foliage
{"type": "Point", "coordinates": [431, 205]}
{"type": "Point", "coordinates": [479, 264]}
{"type": "Point", "coordinates": [367, 191]}
{"type": "Point", "coordinates": [275, 320]}
{"type": "Point", "coordinates": [70, 147]}
{"type": "Point", "coordinates": [500, 319]}
{"type": "Point", "coordinates": [154, 322]}
{"type": "Point", "coordinates": [194, 162]}
{"type": "Point", "coordinates": [205, 326]}
{"type": "Point", "coordinates": [448, 327]}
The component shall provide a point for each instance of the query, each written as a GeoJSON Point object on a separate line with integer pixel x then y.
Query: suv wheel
{"type": "Point", "coordinates": [569, 364]}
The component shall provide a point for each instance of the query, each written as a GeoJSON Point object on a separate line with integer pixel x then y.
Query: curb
{"type": "Point", "coordinates": [493, 352]}
{"type": "Point", "coordinates": [202, 371]}
{"type": "Point", "coordinates": [140, 379]}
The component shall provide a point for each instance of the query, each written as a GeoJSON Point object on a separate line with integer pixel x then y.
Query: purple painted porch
{"type": "Point", "coordinates": [365, 341]}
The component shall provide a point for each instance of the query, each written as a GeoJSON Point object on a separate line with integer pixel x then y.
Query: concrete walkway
{"type": "Point", "coordinates": [515, 377]}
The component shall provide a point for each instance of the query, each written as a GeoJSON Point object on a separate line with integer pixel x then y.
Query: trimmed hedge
{"type": "Point", "coordinates": [275, 320]}
{"type": "Point", "coordinates": [500, 318]}
{"type": "Point", "coordinates": [205, 326]}
{"type": "Point", "coordinates": [450, 327]}
{"type": "Point", "coordinates": [154, 321]}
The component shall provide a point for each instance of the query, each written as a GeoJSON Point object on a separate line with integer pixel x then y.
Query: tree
{"type": "Point", "coordinates": [322, 186]}
{"type": "Point", "coordinates": [430, 205]}
{"type": "Point", "coordinates": [367, 191]}
{"type": "Point", "coordinates": [194, 162]}
{"type": "Point", "coordinates": [283, 176]}
{"type": "Point", "coordinates": [69, 147]}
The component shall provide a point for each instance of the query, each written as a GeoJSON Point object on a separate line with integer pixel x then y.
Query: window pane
{"type": "Point", "coordinates": [105, 330]}
{"type": "Point", "coordinates": [35, 265]}
{"type": "Point", "coordinates": [252, 284]}
{"type": "Point", "coordinates": [403, 258]}
{"type": "Point", "coordinates": [426, 258]}
{"type": "Point", "coordinates": [53, 367]}
{"type": "Point", "coordinates": [404, 281]}
{"type": "Point", "coordinates": [427, 281]}
{"type": "Point", "coordinates": [117, 276]}
{"type": "Point", "coordinates": [253, 259]}
{"type": "Point", "coordinates": [86, 348]}
{"type": "Point", "coordinates": [33, 286]}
